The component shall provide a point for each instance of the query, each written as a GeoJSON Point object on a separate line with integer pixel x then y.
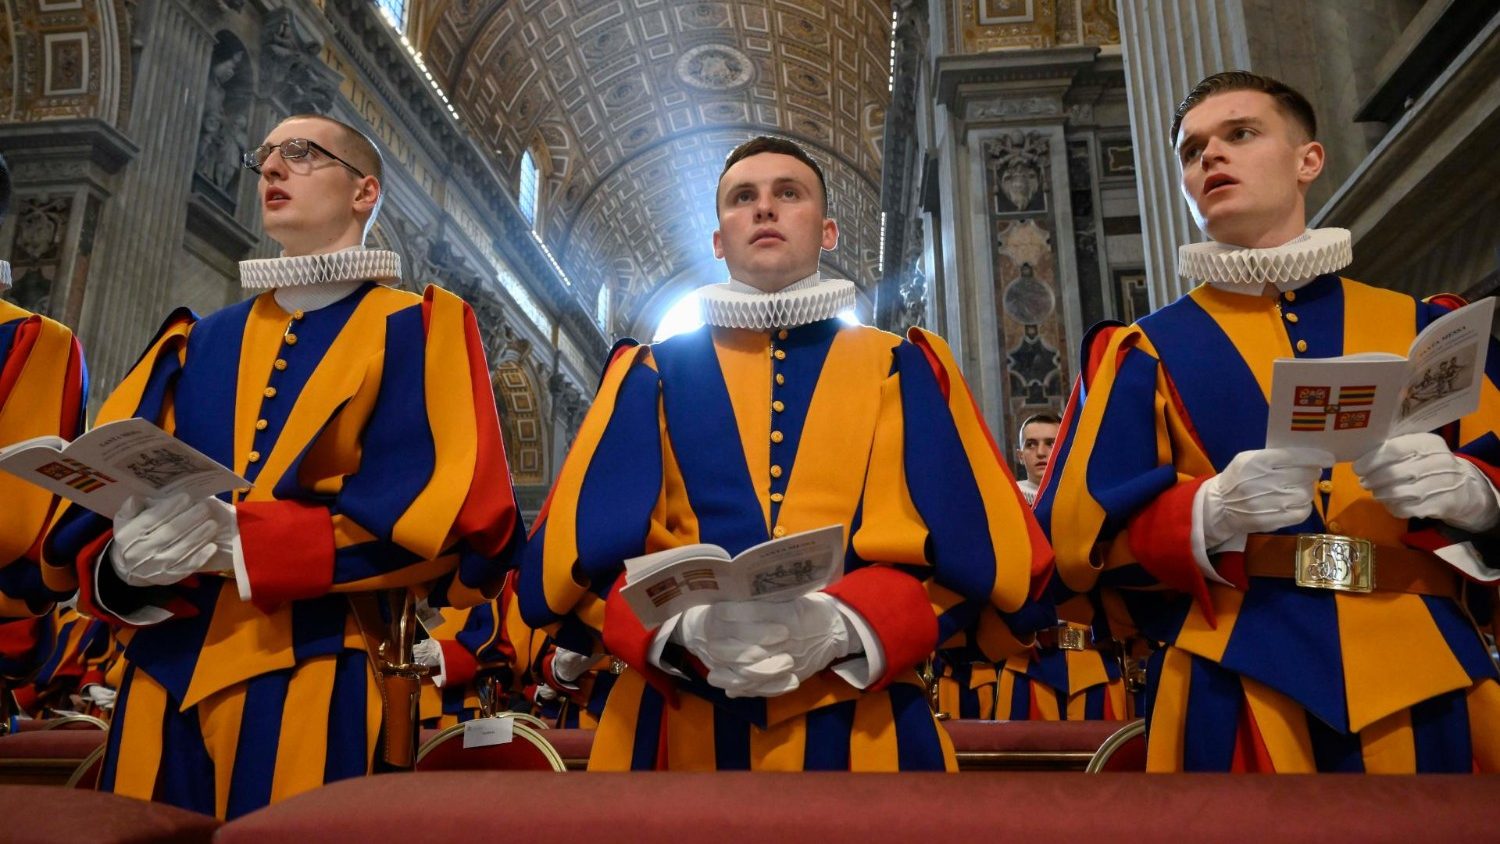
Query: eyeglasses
{"type": "Point", "coordinates": [292, 149]}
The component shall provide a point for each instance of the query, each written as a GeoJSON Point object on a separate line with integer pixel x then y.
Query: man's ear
{"type": "Point", "coordinates": [1311, 163]}
{"type": "Point", "coordinates": [367, 196]}
{"type": "Point", "coordinates": [718, 245]}
{"type": "Point", "coordinates": [830, 234]}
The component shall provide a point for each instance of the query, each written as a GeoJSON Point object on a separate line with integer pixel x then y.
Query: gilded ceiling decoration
{"type": "Point", "coordinates": [635, 104]}
{"type": "Point", "coordinates": [985, 25]}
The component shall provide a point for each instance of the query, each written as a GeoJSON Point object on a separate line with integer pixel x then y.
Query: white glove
{"type": "Point", "coordinates": [1416, 476]}
{"type": "Point", "coordinates": [1260, 491]}
{"type": "Point", "coordinates": [545, 692]}
{"type": "Point", "coordinates": [766, 648]}
{"type": "Point", "coordinates": [100, 695]}
{"type": "Point", "coordinates": [568, 666]}
{"type": "Point", "coordinates": [160, 541]}
{"type": "Point", "coordinates": [427, 652]}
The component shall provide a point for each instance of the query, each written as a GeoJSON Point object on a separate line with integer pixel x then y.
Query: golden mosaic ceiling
{"type": "Point", "coordinates": [636, 103]}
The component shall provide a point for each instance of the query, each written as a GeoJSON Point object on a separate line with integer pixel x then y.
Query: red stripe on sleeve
{"type": "Point", "coordinates": [20, 349]}
{"type": "Point", "coordinates": [626, 638]}
{"type": "Point", "coordinates": [896, 606]}
{"type": "Point", "coordinates": [288, 549]}
{"type": "Point", "coordinates": [1161, 538]}
{"type": "Point", "coordinates": [459, 666]}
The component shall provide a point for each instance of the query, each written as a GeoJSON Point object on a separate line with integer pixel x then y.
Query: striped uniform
{"type": "Point", "coordinates": [1049, 683]}
{"type": "Point", "coordinates": [732, 436]}
{"type": "Point", "coordinates": [1269, 676]}
{"type": "Point", "coordinates": [473, 651]}
{"type": "Point", "coordinates": [70, 651]}
{"type": "Point", "coordinates": [42, 387]}
{"type": "Point", "coordinates": [368, 429]}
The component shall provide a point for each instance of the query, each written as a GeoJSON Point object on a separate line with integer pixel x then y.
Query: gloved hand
{"type": "Point", "coordinates": [1260, 491]}
{"type": "Point", "coordinates": [427, 652]}
{"type": "Point", "coordinates": [545, 692]}
{"type": "Point", "coordinates": [1417, 476]}
{"type": "Point", "coordinates": [568, 666]}
{"type": "Point", "coordinates": [100, 695]}
{"type": "Point", "coordinates": [766, 648]}
{"type": "Point", "coordinates": [160, 541]}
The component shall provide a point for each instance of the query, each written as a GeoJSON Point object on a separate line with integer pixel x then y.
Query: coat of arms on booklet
{"type": "Point", "coordinates": [102, 468]}
{"type": "Point", "coordinates": [1351, 404]}
{"type": "Point", "coordinates": [661, 585]}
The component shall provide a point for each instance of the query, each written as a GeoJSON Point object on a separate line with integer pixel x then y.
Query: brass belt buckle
{"type": "Point", "coordinates": [616, 665]}
{"type": "Point", "coordinates": [1329, 561]}
{"type": "Point", "coordinates": [1072, 638]}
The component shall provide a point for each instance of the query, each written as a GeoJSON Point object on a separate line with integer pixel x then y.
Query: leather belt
{"type": "Point", "coordinates": [1326, 561]}
{"type": "Point", "coordinates": [1067, 637]}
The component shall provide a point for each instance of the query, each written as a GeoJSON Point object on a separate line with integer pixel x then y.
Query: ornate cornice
{"type": "Point", "coordinates": [1052, 67]}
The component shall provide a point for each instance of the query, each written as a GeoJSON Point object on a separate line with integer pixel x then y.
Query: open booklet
{"type": "Point", "coordinates": [660, 585]}
{"type": "Point", "coordinates": [102, 468]}
{"type": "Point", "coordinates": [1350, 404]}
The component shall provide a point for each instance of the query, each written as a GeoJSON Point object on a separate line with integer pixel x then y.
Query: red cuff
{"type": "Point", "coordinates": [896, 606]}
{"type": "Point", "coordinates": [629, 640]}
{"type": "Point", "coordinates": [459, 666]}
{"type": "Point", "coordinates": [288, 549]}
{"type": "Point", "coordinates": [1491, 473]}
{"type": "Point", "coordinates": [1161, 540]}
{"type": "Point", "coordinates": [91, 677]}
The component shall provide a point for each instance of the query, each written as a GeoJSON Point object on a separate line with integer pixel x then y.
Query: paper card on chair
{"type": "Point", "coordinates": [483, 732]}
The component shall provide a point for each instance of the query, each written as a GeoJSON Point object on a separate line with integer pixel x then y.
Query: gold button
{"type": "Point", "coordinates": [1291, 317]}
{"type": "Point", "coordinates": [776, 437]}
{"type": "Point", "coordinates": [1301, 345]}
{"type": "Point", "coordinates": [1291, 295]}
{"type": "Point", "coordinates": [279, 364]}
{"type": "Point", "coordinates": [261, 424]}
{"type": "Point", "coordinates": [1334, 527]}
{"type": "Point", "coordinates": [776, 496]}
{"type": "Point", "coordinates": [775, 471]}
{"type": "Point", "coordinates": [780, 354]}
{"type": "Point", "coordinates": [780, 379]}
{"type": "Point", "coordinates": [779, 532]}
{"type": "Point", "coordinates": [296, 315]}
{"type": "Point", "coordinates": [291, 339]}
{"type": "Point", "coordinates": [781, 335]}
{"type": "Point", "coordinates": [270, 392]}
{"type": "Point", "coordinates": [1325, 486]}
{"type": "Point", "coordinates": [778, 406]}
{"type": "Point", "coordinates": [254, 457]}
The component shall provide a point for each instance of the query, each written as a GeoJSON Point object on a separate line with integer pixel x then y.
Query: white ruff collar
{"type": "Point", "coordinates": [737, 305]}
{"type": "Point", "coordinates": [4, 275]}
{"type": "Point", "coordinates": [1315, 252]}
{"type": "Point", "coordinates": [353, 264]}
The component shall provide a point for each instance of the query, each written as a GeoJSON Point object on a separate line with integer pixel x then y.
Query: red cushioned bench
{"type": "Point", "coordinates": [37, 813]}
{"type": "Point", "coordinates": [740, 807]}
{"type": "Point", "coordinates": [45, 757]}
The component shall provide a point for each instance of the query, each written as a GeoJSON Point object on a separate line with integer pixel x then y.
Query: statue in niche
{"type": "Point", "coordinates": [222, 133]}
{"type": "Point", "coordinates": [293, 70]}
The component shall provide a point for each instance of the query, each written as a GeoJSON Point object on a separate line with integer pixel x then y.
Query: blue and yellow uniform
{"type": "Point", "coordinates": [1072, 674]}
{"type": "Point", "coordinates": [42, 387]}
{"type": "Point", "coordinates": [733, 437]}
{"type": "Point", "coordinates": [368, 429]}
{"type": "Point", "coordinates": [474, 651]}
{"type": "Point", "coordinates": [1270, 675]}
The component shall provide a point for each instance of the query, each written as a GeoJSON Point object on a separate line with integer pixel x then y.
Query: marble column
{"type": "Point", "coordinates": [1169, 45]}
{"type": "Point", "coordinates": [141, 230]}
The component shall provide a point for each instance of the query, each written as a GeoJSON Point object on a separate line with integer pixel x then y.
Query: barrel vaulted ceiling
{"type": "Point", "coordinates": [636, 103]}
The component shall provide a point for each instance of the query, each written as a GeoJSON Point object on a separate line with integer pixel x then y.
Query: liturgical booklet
{"type": "Point", "coordinates": [102, 468]}
{"type": "Point", "coordinates": [1351, 404]}
{"type": "Point", "coordinates": [661, 585]}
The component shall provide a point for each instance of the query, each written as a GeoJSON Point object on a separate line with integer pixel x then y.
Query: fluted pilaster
{"type": "Point", "coordinates": [141, 232]}
{"type": "Point", "coordinates": [1169, 45]}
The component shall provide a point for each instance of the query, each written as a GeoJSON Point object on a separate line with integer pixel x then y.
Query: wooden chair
{"type": "Point", "coordinates": [526, 751]}
{"type": "Point", "coordinates": [1124, 751]}
{"type": "Point", "coordinates": [74, 722]}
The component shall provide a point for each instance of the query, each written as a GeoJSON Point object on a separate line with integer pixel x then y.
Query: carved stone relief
{"type": "Point", "coordinates": [292, 70]}
{"type": "Point", "coordinates": [223, 134]}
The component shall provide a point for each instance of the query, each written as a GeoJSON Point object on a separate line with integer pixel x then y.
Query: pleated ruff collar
{"type": "Point", "coordinates": [735, 304]}
{"type": "Point", "coordinates": [1314, 253]}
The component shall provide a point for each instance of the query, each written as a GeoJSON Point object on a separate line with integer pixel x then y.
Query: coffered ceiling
{"type": "Point", "coordinates": [634, 104]}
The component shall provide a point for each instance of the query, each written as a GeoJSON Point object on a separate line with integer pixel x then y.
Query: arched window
{"type": "Point", "coordinates": [601, 308]}
{"type": "Point", "coordinates": [526, 195]}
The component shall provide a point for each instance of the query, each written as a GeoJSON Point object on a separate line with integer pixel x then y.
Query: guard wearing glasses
{"type": "Point", "coordinates": [363, 417]}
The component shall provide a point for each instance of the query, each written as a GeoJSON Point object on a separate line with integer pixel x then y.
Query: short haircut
{"type": "Point", "coordinates": [355, 146]}
{"type": "Point", "coordinates": [1292, 104]}
{"type": "Point", "coordinates": [1046, 417]}
{"type": "Point", "coordinates": [770, 143]}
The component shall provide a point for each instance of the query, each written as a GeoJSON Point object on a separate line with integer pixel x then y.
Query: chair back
{"type": "Point", "coordinates": [526, 751]}
{"type": "Point", "coordinates": [1123, 752]}
{"type": "Point", "coordinates": [86, 776]}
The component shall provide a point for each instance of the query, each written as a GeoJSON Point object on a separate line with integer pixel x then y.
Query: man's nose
{"type": "Point", "coordinates": [274, 166]}
{"type": "Point", "coordinates": [1213, 151]}
{"type": "Point", "coordinates": [765, 209]}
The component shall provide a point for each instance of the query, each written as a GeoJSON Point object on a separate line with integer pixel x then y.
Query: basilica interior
{"type": "Point", "coordinates": [999, 168]}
